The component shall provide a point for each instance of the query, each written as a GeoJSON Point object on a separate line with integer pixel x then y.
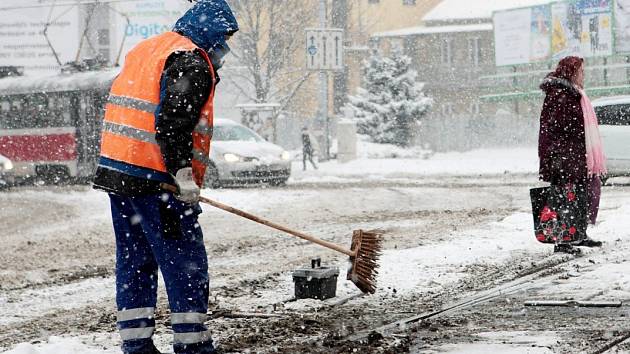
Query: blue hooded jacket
{"type": "Point", "coordinates": [207, 23]}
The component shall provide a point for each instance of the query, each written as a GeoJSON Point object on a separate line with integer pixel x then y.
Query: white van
{"type": "Point", "coordinates": [613, 114]}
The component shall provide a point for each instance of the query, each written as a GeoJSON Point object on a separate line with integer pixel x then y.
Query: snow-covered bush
{"type": "Point", "coordinates": [391, 104]}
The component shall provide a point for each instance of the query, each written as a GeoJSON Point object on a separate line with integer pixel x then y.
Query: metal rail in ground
{"type": "Point", "coordinates": [524, 281]}
{"type": "Point", "coordinates": [613, 343]}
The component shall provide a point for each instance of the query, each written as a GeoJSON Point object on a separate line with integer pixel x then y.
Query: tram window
{"type": "Point", "coordinates": [4, 113]}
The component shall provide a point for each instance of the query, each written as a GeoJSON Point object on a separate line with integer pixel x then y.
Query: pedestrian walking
{"type": "Point", "coordinates": [157, 129]}
{"type": "Point", "coordinates": [307, 149]}
{"type": "Point", "coordinates": [570, 150]}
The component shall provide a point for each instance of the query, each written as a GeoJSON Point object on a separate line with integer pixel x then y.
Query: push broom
{"type": "Point", "coordinates": [364, 251]}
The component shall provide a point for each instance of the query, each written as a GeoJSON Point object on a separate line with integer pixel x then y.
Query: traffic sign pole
{"type": "Point", "coordinates": [324, 53]}
{"type": "Point", "coordinates": [323, 84]}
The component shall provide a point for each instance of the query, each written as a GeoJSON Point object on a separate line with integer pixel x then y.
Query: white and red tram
{"type": "Point", "coordinates": [50, 127]}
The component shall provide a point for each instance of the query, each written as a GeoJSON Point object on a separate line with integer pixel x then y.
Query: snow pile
{"type": "Point", "coordinates": [436, 265]}
{"type": "Point", "coordinates": [59, 345]}
{"type": "Point", "coordinates": [471, 163]}
{"type": "Point", "coordinates": [369, 150]}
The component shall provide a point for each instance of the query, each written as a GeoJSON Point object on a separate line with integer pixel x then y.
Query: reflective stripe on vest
{"type": "Point", "coordinates": [129, 123]}
{"type": "Point", "coordinates": [132, 103]}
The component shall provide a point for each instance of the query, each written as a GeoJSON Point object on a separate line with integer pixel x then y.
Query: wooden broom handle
{"type": "Point", "coordinates": [268, 223]}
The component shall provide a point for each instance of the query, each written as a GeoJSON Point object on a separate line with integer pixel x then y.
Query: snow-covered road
{"type": "Point", "coordinates": [446, 235]}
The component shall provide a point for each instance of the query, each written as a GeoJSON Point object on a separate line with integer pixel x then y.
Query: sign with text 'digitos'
{"type": "Point", "coordinates": [135, 21]}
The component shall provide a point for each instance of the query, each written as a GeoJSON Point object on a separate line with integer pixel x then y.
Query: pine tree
{"type": "Point", "coordinates": [391, 104]}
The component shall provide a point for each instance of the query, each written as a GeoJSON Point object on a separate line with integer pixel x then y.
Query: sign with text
{"type": "Point", "coordinates": [523, 35]}
{"type": "Point", "coordinates": [324, 49]}
{"type": "Point", "coordinates": [135, 21]}
{"type": "Point", "coordinates": [22, 40]}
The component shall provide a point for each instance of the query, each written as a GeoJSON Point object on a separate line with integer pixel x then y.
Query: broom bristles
{"type": "Point", "coordinates": [363, 271]}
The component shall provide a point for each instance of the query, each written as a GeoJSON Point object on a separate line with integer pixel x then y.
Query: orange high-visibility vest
{"type": "Point", "coordinates": [129, 125]}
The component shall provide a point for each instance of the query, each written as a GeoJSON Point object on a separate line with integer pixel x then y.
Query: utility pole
{"type": "Point", "coordinates": [323, 86]}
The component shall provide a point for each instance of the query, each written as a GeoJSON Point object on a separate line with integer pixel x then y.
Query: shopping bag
{"type": "Point", "coordinates": [559, 213]}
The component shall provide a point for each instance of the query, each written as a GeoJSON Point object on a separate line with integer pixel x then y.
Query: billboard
{"type": "Point", "coordinates": [583, 28]}
{"type": "Point", "coordinates": [134, 21]}
{"type": "Point", "coordinates": [572, 27]}
{"type": "Point", "coordinates": [522, 35]}
{"type": "Point", "coordinates": [22, 40]}
{"type": "Point", "coordinates": [622, 26]}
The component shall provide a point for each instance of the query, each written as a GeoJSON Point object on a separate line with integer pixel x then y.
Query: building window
{"type": "Point", "coordinates": [474, 51]}
{"type": "Point", "coordinates": [409, 2]}
{"type": "Point", "coordinates": [447, 51]}
{"type": "Point", "coordinates": [447, 109]}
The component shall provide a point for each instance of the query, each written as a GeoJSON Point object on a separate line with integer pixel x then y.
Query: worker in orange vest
{"type": "Point", "coordinates": [157, 129]}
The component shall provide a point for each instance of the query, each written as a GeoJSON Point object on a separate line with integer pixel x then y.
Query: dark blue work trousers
{"type": "Point", "coordinates": [159, 231]}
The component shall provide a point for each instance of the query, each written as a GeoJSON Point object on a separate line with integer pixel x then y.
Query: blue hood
{"type": "Point", "coordinates": [207, 23]}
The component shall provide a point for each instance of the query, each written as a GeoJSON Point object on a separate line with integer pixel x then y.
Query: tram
{"type": "Point", "coordinates": [50, 126]}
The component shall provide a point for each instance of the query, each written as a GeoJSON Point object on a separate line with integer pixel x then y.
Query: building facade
{"type": "Point", "coordinates": [453, 52]}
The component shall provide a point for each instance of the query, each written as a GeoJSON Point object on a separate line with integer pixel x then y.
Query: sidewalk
{"type": "Point", "coordinates": [473, 163]}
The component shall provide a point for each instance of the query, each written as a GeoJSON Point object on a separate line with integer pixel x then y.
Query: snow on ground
{"type": "Point", "coordinates": [441, 263]}
{"type": "Point", "coordinates": [434, 264]}
{"type": "Point", "coordinates": [33, 303]}
{"type": "Point", "coordinates": [61, 345]}
{"type": "Point", "coordinates": [505, 343]}
{"type": "Point", "coordinates": [476, 162]}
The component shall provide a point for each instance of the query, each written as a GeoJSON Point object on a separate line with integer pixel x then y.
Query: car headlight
{"type": "Point", "coordinates": [286, 155]}
{"type": "Point", "coordinates": [7, 165]}
{"type": "Point", "coordinates": [231, 158]}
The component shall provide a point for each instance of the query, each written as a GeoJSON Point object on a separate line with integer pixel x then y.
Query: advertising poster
{"type": "Point", "coordinates": [134, 21]}
{"type": "Point", "coordinates": [540, 48]}
{"type": "Point", "coordinates": [582, 27]}
{"type": "Point", "coordinates": [523, 35]}
{"type": "Point", "coordinates": [596, 18]}
{"type": "Point", "coordinates": [622, 26]}
{"type": "Point", "coordinates": [512, 36]}
{"type": "Point", "coordinates": [22, 40]}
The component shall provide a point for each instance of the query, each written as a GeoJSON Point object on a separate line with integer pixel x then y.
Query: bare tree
{"type": "Point", "coordinates": [271, 33]}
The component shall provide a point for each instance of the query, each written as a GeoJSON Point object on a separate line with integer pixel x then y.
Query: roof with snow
{"type": "Point", "coordinates": [90, 80]}
{"type": "Point", "coordinates": [452, 10]}
{"type": "Point", "coordinates": [410, 31]}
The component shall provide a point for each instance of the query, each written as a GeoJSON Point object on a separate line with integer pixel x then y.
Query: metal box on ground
{"type": "Point", "coordinates": [316, 282]}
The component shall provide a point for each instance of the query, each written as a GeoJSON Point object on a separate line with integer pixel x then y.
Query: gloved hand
{"type": "Point", "coordinates": [188, 190]}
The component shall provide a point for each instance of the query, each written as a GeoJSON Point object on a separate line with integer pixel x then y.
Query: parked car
{"type": "Point", "coordinates": [6, 171]}
{"type": "Point", "coordinates": [613, 114]}
{"type": "Point", "coordinates": [238, 155]}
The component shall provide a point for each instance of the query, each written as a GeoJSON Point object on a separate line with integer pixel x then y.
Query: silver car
{"type": "Point", "coordinates": [6, 173]}
{"type": "Point", "coordinates": [238, 155]}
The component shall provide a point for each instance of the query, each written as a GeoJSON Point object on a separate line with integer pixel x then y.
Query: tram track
{"type": "Point", "coordinates": [613, 343]}
{"type": "Point", "coordinates": [527, 278]}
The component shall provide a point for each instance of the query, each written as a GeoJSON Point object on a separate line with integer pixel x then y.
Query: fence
{"type": "Point", "coordinates": [467, 132]}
